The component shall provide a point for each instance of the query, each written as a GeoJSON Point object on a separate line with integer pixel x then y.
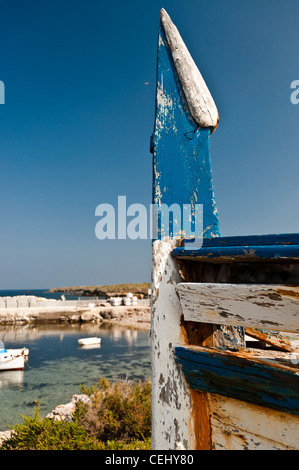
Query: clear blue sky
{"type": "Point", "coordinates": [78, 116]}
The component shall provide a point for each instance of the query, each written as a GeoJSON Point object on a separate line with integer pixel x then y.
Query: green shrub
{"type": "Point", "coordinates": [119, 411]}
{"type": "Point", "coordinates": [126, 445]}
{"type": "Point", "coordinates": [118, 418]}
{"type": "Point", "coordinates": [38, 433]}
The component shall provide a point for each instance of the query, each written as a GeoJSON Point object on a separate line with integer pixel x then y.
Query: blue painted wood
{"type": "Point", "coordinates": [181, 149]}
{"type": "Point", "coordinates": [254, 240]}
{"type": "Point", "coordinates": [256, 247]}
{"type": "Point", "coordinates": [242, 378]}
{"type": "Point", "coordinates": [251, 253]}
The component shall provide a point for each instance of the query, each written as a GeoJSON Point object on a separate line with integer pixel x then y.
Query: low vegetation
{"type": "Point", "coordinates": [140, 289]}
{"type": "Point", "coordinates": [118, 418]}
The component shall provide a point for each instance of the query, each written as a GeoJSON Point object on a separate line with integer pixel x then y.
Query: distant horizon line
{"type": "Point", "coordinates": [81, 285]}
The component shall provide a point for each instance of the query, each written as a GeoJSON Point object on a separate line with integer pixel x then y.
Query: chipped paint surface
{"type": "Point", "coordinates": [171, 401]}
{"type": "Point", "coordinates": [277, 339]}
{"type": "Point", "coordinates": [247, 305]}
{"type": "Point", "coordinates": [231, 254]}
{"type": "Point", "coordinates": [200, 102]}
{"type": "Point", "coordinates": [182, 174]}
{"type": "Point", "coordinates": [245, 248]}
{"type": "Point", "coordinates": [208, 390]}
{"type": "Point", "coordinates": [241, 375]}
{"type": "Point", "coordinates": [181, 149]}
{"type": "Point", "coordinates": [237, 425]}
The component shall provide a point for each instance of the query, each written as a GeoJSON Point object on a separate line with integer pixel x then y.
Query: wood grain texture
{"type": "Point", "coordinates": [252, 248]}
{"type": "Point", "coordinates": [181, 175]}
{"type": "Point", "coordinates": [253, 240]}
{"type": "Point", "coordinates": [279, 340]}
{"type": "Point", "coordinates": [182, 172]}
{"type": "Point", "coordinates": [246, 305]}
{"type": "Point", "coordinates": [240, 375]}
{"type": "Point", "coordinates": [199, 99]}
{"type": "Point", "coordinates": [237, 425]}
{"type": "Point", "coordinates": [171, 402]}
{"type": "Point", "coordinates": [239, 253]}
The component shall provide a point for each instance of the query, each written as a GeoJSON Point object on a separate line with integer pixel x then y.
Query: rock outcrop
{"type": "Point", "coordinates": [60, 413]}
{"type": "Point", "coordinates": [65, 412]}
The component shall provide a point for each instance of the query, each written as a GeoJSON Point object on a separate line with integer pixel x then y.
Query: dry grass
{"type": "Point", "coordinates": [118, 418]}
{"type": "Point", "coordinates": [119, 411]}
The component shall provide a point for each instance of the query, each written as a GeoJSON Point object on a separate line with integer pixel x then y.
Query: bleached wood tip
{"type": "Point", "coordinates": [199, 99]}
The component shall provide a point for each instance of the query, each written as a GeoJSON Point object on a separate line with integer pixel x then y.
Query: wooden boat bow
{"type": "Point", "coordinates": [199, 99]}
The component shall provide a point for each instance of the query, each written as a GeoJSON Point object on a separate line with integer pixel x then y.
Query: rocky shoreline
{"type": "Point", "coordinates": [140, 290]}
{"type": "Point", "coordinates": [60, 413]}
{"type": "Point", "coordinates": [132, 317]}
{"type": "Point", "coordinates": [136, 316]}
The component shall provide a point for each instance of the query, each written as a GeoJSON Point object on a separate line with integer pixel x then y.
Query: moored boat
{"type": "Point", "coordinates": [10, 362]}
{"type": "Point", "coordinates": [17, 352]}
{"type": "Point", "coordinates": [89, 341]}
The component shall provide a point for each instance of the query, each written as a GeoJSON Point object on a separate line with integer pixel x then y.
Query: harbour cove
{"type": "Point", "coordinates": [57, 366]}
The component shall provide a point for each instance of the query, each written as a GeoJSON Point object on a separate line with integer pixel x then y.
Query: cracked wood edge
{"type": "Point", "coordinates": [245, 305]}
{"type": "Point", "coordinates": [199, 99]}
{"type": "Point", "coordinates": [244, 426]}
{"type": "Point", "coordinates": [172, 426]}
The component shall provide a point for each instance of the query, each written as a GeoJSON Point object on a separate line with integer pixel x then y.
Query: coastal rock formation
{"type": "Point", "coordinates": [60, 413]}
{"type": "Point", "coordinates": [65, 412]}
{"type": "Point", "coordinates": [5, 435]}
{"type": "Point", "coordinates": [140, 290]}
{"type": "Point", "coordinates": [133, 315]}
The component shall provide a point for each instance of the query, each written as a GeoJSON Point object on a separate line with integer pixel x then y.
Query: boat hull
{"type": "Point", "coordinates": [9, 362]}
{"type": "Point", "coordinates": [89, 341]}
{"type": "Point", "coordinates": [19, 352]}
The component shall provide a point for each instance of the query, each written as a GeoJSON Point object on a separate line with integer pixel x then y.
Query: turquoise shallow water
{"type": "Point", "coordinates": [57, 365]}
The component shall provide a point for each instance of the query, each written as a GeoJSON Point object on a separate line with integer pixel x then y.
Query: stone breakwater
{"type": "Point", "coordinates": [137, 316]}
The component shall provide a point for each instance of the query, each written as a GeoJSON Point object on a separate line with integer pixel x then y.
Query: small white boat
{"type": "Point", "coordinates": [10, 362]}
{"type": "Point", "coordinates": [88, 341]}
{"type": "Point", "coordinates": [19, 352]}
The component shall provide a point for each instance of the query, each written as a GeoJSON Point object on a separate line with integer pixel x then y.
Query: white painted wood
{"type": "Point", "coordinates": [236, 425]}
{"type": "Point", "coordinates": [247, 305]}
{"type": "Point", "coordinates": [171, 401]}
{"type": "Point", "coordinates": [200, 102]}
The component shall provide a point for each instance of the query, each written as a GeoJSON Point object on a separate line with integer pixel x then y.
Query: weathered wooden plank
{"type": "Point", "coordinates": [243, 248]}
{"type": "Point", "coordinates": [273, 338]}
{"type": "Point", "coordinates": [171, 404]}
{"type": "Point", "coordinates": [221, 254]}
{"type": "Point", "coordinates": [247, 305]}
{"type": "Point", "coordinates": [200, 102]}
{"type": "Point", "coordinates": [253, 240]}
{"type": "Point", "coordinates": [236, 425]}
{"type": "Point", "coordinates": [237, 376]}
{"type": "Point", "coordinates": [178, 142]}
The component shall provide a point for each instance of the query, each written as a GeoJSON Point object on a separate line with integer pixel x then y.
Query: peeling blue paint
{"type": "Point", "coordinates": [263, 247]}
{"type": "Point", "coordinates": [181, 149]}
{"type": "Point", "coordinates": [241, 378]}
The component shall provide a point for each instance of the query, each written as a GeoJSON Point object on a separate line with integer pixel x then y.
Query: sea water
{"type": "Point", "coordinates": [38, 293]}
{"type": "Point", "coordinates": [57, 366]}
